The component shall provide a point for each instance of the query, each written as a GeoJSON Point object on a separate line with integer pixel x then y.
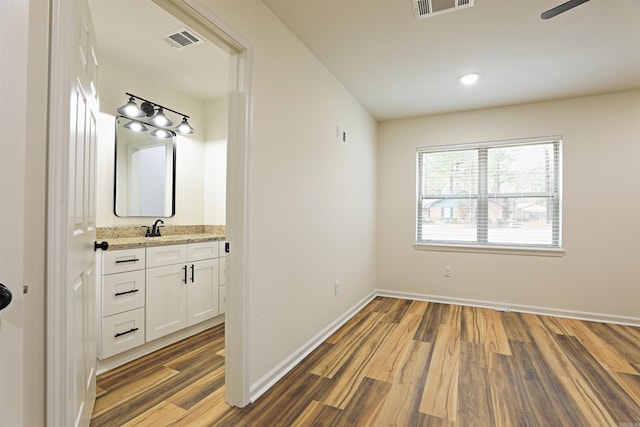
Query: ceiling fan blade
{"type": "Point", "coordinates": [562, 8]}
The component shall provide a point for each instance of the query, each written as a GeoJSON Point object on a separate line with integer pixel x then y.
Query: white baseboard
{"type": "Point", "coordinates": [501, 306]}
{"type": "Point", "coordinates": [273, 376]}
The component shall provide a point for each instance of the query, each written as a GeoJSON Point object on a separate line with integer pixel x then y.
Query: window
{"type": "Point", "coordinates": [498, 194]}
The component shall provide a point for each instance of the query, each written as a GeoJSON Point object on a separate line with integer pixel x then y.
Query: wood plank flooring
{"type": "Point", "coordinates": [401, 363]}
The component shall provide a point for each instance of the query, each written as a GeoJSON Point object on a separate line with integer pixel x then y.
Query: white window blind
{"type": "Point", "coordinates": [504, 193]}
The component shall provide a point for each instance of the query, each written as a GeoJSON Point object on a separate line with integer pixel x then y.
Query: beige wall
{"type": "Point", "coordinates": [215, 161]}
{"type": "Point", "coordinates": [191, 197]}
{"type": "Point", "coordinates": [24, 42]}
{"type": "Point", "coordinates": [600, 271]}
{"type": "Point", "coordinates": [312, 197]}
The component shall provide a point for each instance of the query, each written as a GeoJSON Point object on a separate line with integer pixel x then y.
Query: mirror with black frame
{"type": "Point", "coordinates": [145, 170]}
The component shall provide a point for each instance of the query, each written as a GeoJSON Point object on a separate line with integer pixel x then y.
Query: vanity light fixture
{"type": "Point", "coordinates": [160, 119]}
{"type": "Point", "coordinates": [184, 127]}
{"type": "Point", "coordinates": [162, 133]}
{"type": "Point", "coordinates": [131, 109]}
{"type": "Point", "coordinates": [152, 113]}
{"type": "Point", "coordinates": [136, 126]}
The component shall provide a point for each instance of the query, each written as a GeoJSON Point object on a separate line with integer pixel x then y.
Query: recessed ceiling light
{"type": "Point", "coordinates": [469, 79]}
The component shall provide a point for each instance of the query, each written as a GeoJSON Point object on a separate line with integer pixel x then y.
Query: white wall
{"type": "Point", "coordinates": [24, 41]}
{"type": "Point", "coordinates": [115, 80]}
{"type": "Point", "coordinates": [312, 197]}
{"type": "Point", "coordinates": [600, 272]}
{"type": "Point", "coordinates": [35, 214]}
{"type": "Point", "coordinates": [215, 161]}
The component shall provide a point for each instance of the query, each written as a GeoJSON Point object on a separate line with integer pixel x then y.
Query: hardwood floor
{"type": "Point", "coordinates": [401, 363]}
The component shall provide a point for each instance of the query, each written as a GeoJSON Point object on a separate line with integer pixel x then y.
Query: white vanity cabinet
{"type": "Point", "coordinates": [122, 301]}
{"type": "Point", "coordinates": [149, 293]}
{"type": "Point", "coordinates": [182, 287]}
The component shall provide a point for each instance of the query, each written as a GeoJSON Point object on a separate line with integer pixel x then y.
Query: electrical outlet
{"type": "Point", "coordinates": [336, 287]}
{"type": "Point", "coordinates": [448, 271]}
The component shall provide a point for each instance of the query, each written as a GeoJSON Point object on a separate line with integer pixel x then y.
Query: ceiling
{"type": "Point", "coordinates": [132, 32]}
{"type": "Point", "coordinates": [399, 66]}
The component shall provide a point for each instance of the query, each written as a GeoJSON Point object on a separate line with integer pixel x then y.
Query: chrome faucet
{"type": "Point", "coordinates": [155, 229]}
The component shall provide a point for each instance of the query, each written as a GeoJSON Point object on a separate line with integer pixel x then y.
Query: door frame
{"type": "Point", "coordinates": [237, 381]}
{"type": "Point", "coordinates": [238, 178]}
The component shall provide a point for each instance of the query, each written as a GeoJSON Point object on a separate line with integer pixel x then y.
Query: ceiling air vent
{"type": "Point", "coordinates": [182, 38]}
{"type": "Point", "coordinates": [425, 8]}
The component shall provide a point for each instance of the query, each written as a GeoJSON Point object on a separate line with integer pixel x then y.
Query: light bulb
{"type": "Point", "coordinates": [161, 133]}
{"type": "Point", "coordinates": [469, 79]}
{"type": "Point", "coordinates": [185, 127]}
{"type": "Point", "coordinates": [130, 109]}
{"type": "Point", "coordinates": [160, 119]}
{"type": "Point", "coordinates": [136, 126]}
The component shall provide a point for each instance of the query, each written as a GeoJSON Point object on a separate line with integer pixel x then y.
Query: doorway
{"type": "Point", "coordinates": [204, 22]}
{"type": "Point", "coordinates": [237, 216]}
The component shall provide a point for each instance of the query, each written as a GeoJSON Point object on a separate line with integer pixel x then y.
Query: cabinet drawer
{"type": "Point", "coordinates": [123, 260]}
{"type": "Point", "coordinates": [123, 292]}
{"type": "Point", "coordinates": [122, 332]}
{"type": "Point", "coordinates": [204, 250]}
{"type": "Point", "coordinates": [166, 255]}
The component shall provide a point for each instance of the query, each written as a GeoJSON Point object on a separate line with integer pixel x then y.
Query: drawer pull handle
{"type": "Point", "coordinates": [120, 261]}
{"type": "Point", "coordinates": [132, 291]}
{"type": "Point", "coordinates": [192, 273]}
{"type": "Point", "coordinates": [185, 274]}
{"type": "Point", "coordinates": [119, 334]}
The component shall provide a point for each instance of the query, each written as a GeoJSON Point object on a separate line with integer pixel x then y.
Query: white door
{"type": "Point", "coordinates": [13, 87]}
{"type": "Point", "coordinates": [72, 282]}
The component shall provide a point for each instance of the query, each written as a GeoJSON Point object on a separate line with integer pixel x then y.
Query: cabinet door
{"type": "Point", "coordinates": [202, 291]}
{"type": "Point", "coordinates": [222, 299]}
{"type": "Point", "coordinates": [222, 292]}
{"type": "Point", "coordinates": [166, 308]}
{"type": "Point", "coordinates": [223, 270]}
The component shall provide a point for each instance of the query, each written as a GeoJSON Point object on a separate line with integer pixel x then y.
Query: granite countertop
{"type": "Point", "coordinates": [129, 237]}
{"type": "Point", "coordinates": [143, 242]}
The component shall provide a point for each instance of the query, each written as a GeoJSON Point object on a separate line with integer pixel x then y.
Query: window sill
{"type": "Point", "coordinates": [503, 250]}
